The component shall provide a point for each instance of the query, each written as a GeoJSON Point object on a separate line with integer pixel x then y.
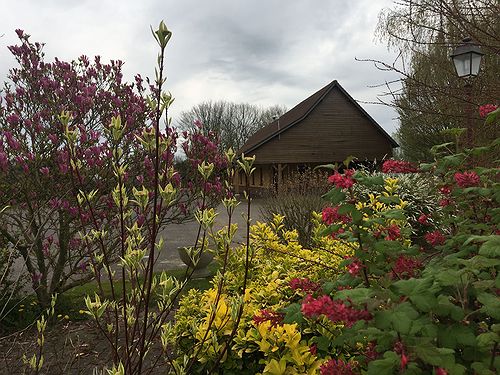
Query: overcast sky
{"type": "Point", "coordinates": [262, 52]}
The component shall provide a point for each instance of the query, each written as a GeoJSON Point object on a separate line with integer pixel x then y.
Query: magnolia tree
{"type": "Point", "coordinates": [60, 126]}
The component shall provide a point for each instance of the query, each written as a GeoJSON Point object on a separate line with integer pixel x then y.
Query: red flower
{"type": "Point", "coordinates": [445, 190]}
{"type": "Point", "coordinates": [405, 267]}
{"type": "Point", "coordinates": [398, 166]}
{"type": "Point", "coordinates": [304, 284]}
{"type": "Point", "coordinates": [371, 351]}
{"type": "Point", "coordinates": [484, 110]}
{"type": "Point", "coordinates": [467, 179]}
{"type": "Point", "coordinates": [423, 219]}
{"type": "Point", "coordinates": [336, 367]}
{"type": "Point", "coordinates": [335, 310]}
{"type": "Point", "coordinates": [435, 238]}
{"type": "Point", "coordinates": [391, 233]}
{"type": "Point", "coordinates": [354, 267]}
{"type": "Point", "coordinates": [330, 215]}
{"type": "Point", "coordinates": [441, 371]}
{"type": "Point", "coordinates": [404, 361]}
{"type": "Point", "coordinates": [445, 202]}
{"type": "Point", "coordinates": [276, 318]}
{"type": "Point", "coordinates": [344, 181]}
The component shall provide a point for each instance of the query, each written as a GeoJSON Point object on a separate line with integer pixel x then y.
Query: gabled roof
{"type": "Point", "coordinates": [299, 113]}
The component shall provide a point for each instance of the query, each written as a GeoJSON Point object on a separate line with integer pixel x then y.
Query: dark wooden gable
{"type": "Point", "coordinates": [326, 127]}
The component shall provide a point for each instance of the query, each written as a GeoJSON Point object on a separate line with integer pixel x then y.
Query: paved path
{"type": "Point", "coordinates": [180, 235]}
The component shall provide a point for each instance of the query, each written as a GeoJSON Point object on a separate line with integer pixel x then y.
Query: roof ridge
{"type": "Point", "coordinates": [298, 113]}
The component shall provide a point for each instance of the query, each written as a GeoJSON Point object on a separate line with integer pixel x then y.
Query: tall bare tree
{"type": "Point", "coordinates": [429, 97]}
{"type": "Point", "coordinates": [234, 123]}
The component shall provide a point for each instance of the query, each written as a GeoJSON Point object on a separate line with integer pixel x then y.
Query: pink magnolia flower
{"type": "Point", "coordinates": [45, 171]}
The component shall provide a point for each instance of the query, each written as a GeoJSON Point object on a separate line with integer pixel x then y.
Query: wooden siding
{"type": "Point", "coordinates": [333, 130]}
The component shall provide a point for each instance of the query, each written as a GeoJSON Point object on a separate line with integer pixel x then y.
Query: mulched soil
{"type": "Point", "coordinates": [70, 348]}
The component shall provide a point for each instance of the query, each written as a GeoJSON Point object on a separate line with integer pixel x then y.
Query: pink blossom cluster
{"type": "Point", "coordinates": [446, 191]}
{"type": "Point", "coordinates": [405, 267]}
{"type": "Point", "coordinates": [435, 238]}
{"type": "Point", "coordinates": [423, 219]}
{"type": "Point", "coordinates": [398, 166]}
{"type": "Point", "coordinates": [304, 284]}
{"type": "Point", "coordinates": [276, 318]}
{"type": "Point", "coordinates": [467, 179]}
{"type": "Point", "coordinates": [336, 367]}
{"type": "Point", "coordinates": [335, 310]}
{"type": "Point", "coordinates": [343, 181]}
{"type": "Point", "coordinates": [390, 233]}
{"type": "Point", "coordinates": [331, 215]}
{"type": "Point", "coordinates": [355, 267]}
{"type": "Point", "coordinates": [484, 110]}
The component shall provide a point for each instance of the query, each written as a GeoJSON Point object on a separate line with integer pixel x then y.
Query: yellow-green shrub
{"type": "Point", "coordinates": [276, 257]}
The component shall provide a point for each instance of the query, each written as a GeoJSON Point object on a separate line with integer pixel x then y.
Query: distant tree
{"type": "Point", "coordinates": [429, 97]}
{"type": "Point", "coordinates": [233, 123]}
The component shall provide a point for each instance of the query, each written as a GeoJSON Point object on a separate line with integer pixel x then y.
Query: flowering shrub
{"type": "Point", "coordinates": [263, 343]}
{"type": "Point", "coordinates": [486, 109]}
{"type": "Point", "coordinates": [398, 166]}
{"type": "Point", "coordinates": [47, 160]}
{"type": "Point", "coordinates": [404, 307]}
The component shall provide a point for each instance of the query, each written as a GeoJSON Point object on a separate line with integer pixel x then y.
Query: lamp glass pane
{"type": "Point", "coordinates": [476, 62]}
{"type": "Point", "coordinates": [462, 64]}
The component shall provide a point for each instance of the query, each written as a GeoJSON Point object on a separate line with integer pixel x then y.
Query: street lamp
{"type": "Point", "coordinates": [467, 60]}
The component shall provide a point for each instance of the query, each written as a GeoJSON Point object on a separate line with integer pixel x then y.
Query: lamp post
{"type": "Point", "coordinates": [467, 60]}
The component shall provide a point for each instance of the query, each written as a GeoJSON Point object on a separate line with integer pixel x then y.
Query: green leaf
{"type": "Point", "coordinates": [330, 229]}
{"type": "Point", "coordinates": [424, 302]}
{"type": "Point", "coordinates": [390, 200]}
{"type": "Point", "coordinates": [367, 180]}
{"type": "Point", "coordinates": [293, 314]}
{"type": "Point", "coordinates": [394, 214]}
{"type": "Point", "coordinates": [329, 287]}
{"type": "Point", "coordinates": [402, 317]}
{"type": "Point", "coordinates": [442, 357]}
{"type": "Point", "coordinates": [481, 369]}
{"type": "Point", "coordinates": [322, 342]}
{"type": "Point", "coordinates": [456, 334]}
{"type": "Point", "coordinates": [357, 295]}
{"type": "Point", "coordinates": [487, 340]}
{"type": "Point", "coordinates": [384, 366]}
{"type": "Point", "coordinates": [335, 196]}
{"type": "Point", "coordinates": [447, 277]}
{"type": "Point", "coordinates": [491, 304]}
{"type": "Point", "coordinates": [491, 248]}
{"type": "Point", "coordinates": [332, 167]}
{"type": "Point", "coordinates": [388, 247]}
{"type": "Point", "coordinates": [347, 208]}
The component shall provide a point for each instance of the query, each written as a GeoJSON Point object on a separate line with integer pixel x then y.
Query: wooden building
{"type": "Point", "coordinates": [326, 127]}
